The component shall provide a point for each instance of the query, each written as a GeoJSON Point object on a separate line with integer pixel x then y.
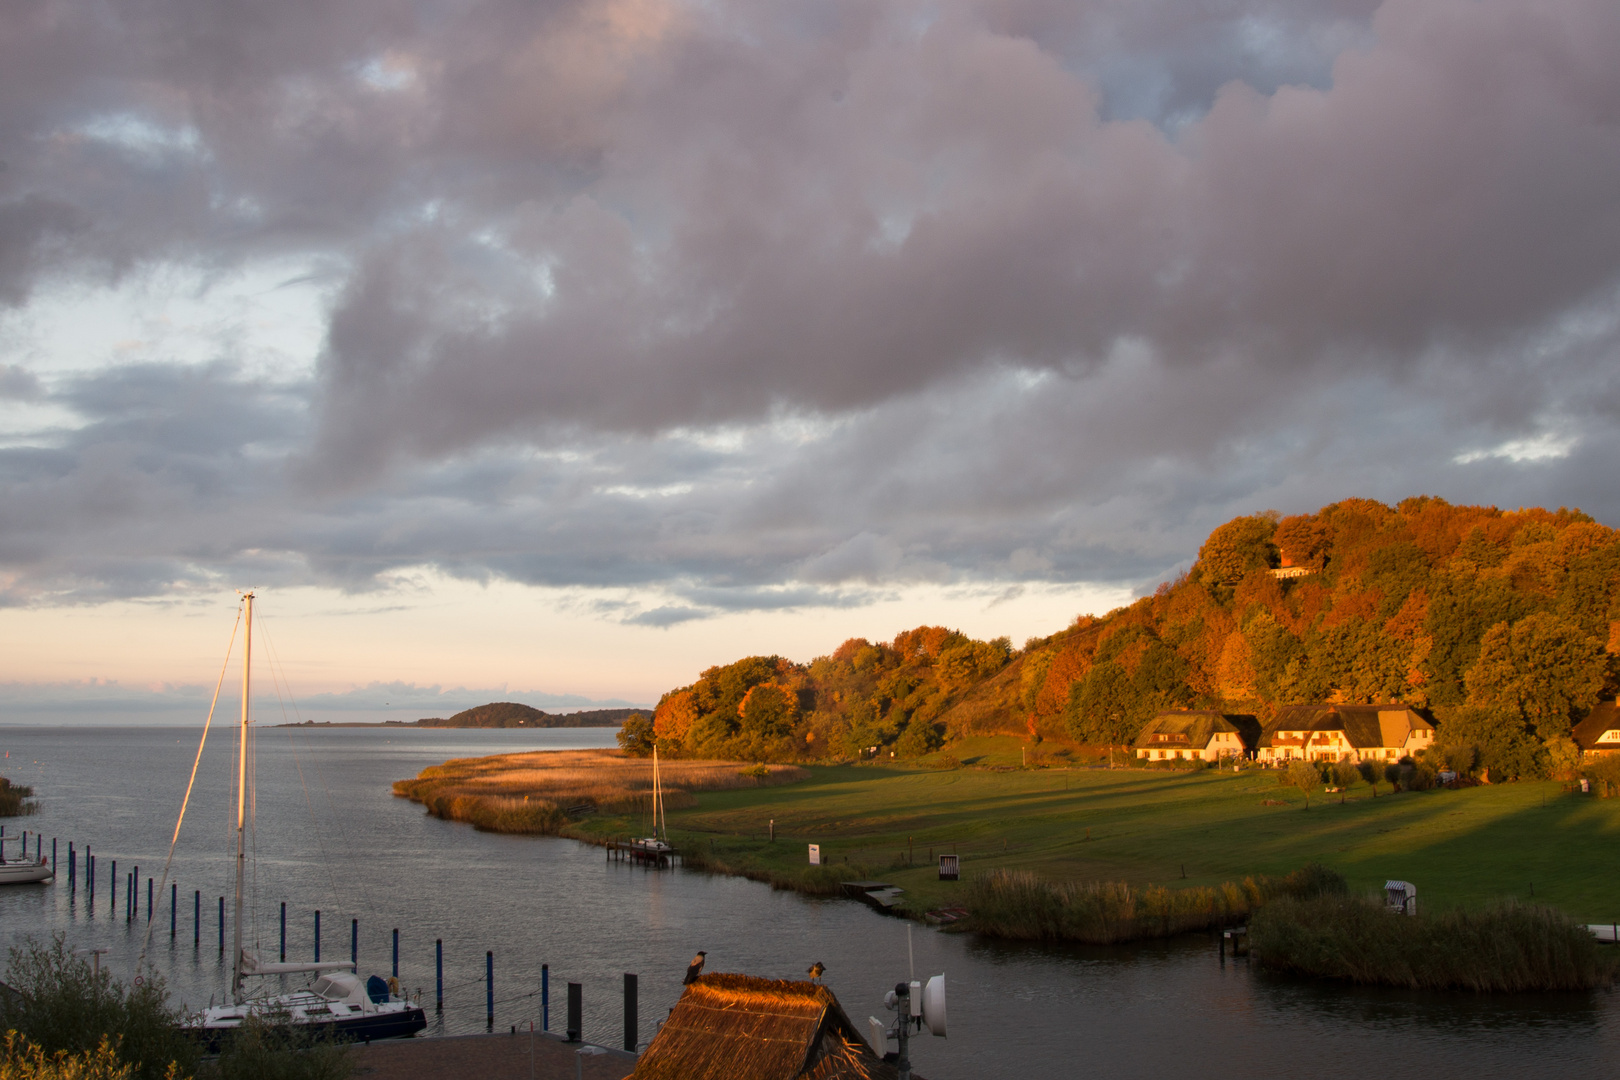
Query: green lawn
{"type": "Point", "coordinates": [1459, 847]}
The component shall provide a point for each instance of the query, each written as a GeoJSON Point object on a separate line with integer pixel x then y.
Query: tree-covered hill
{"type": "Point", "coordinates": [511, 714]}
{"type": "Point", "coordinates": [1504, 623]}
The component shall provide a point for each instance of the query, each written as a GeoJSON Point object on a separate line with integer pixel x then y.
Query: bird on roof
{"type": "Point", "coordinates": [816, 970]}
{"type": "Point", "coordinates": [694, 969]}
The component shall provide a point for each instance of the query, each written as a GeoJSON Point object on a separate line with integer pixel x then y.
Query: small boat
{"type": "Point", "coordinates": [23, 871]}
{"type": "Point", "coordinates": [337, 1003]}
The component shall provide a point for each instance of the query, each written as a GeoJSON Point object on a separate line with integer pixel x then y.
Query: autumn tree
{"type": "Point", "coordinates": [1232, 550]}
{"type": "Point", "coordinates": [636, 735]}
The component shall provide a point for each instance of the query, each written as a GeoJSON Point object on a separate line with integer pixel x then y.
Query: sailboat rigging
{"type": "Point", "coordinates": [655, 849]}
{"type": "Point", "coordinates": [337, 1002]}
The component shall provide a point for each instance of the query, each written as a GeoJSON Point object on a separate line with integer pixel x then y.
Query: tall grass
{"type": "Point", "coordinates": [1023, 906]}
{"type": "Point", "coordinates": [1506, 947]}
{"type": "Point", "coordinates": [533, 792]}
{"type": "Point", "coordinates": [810, 880]}
{"type": "Point", "coordinates": [14, 799]}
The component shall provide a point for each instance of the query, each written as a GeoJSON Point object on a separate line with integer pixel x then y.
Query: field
{"type": "Point", "coordinates": [1461, 848]}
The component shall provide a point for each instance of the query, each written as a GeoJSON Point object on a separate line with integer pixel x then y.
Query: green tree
{"type": "Point", "coordinates": [636, 735]}
{"type": "Point", "coordinates": [1235, 548]}
{"type": "Point", "coordinates": [1102, 706]}
{"type": "Point", "coordinates": [1304, 775]}
{"type": "Point", "coordinates": [1541, 669]}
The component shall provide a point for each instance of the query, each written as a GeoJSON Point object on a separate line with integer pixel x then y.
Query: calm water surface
{"type": "Point", "coordinates": [331, 836]}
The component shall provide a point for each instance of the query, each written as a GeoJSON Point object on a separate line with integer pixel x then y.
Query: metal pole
{"type": "Point", "coordinates": [629, 1012]}
{"type": "Point", "coordinates": [438, 974]}
{"type": "Point", "coordinates": [317, 935]}
{"type": "Point", "coordinates": [396, 952]}
{"type": "Point", "coordinates": [489, 988]}
{"type": "Point", "coordinates": [545, 997]}
{"type": "Point", "coordinates": [222, 926]}
{"type": "Point", "coordinates": [903, 992]}
{"type": "Point", "coordinates": [284, 931]}
{"type": "Point", "coordinates": [112, 902]}
{"type": "Point", "coordinates": [354, 943]}
{"type": "Point", "coordinates": [174, 908]}
{"type": "Point", "coordinates": [149, 886]}
{"type": "Point", "coordinates": [196, 916]}
{"type": "Point", "coordinates": [241, 796]}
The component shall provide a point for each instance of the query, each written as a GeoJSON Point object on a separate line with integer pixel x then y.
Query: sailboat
{"type": "Point", "coordinates": [337, 1002]}
{"type": "Point", "coordinates": [23, 870]}
{"type": "Point", "coordinates": [655, 849]}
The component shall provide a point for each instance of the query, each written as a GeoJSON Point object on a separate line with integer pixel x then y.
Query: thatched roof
{"type": "Point", "coordinates": [737, 1027]}
{"type": "Point", "coordinates": [1364, 726]}
{"type": "Point", "coordinates": [1193, 728]}
{"type": "Point", "coordinates": [1604, 718]}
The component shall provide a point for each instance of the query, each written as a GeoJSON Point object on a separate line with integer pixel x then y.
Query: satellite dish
{"type": "Point", "coordinates": [879, 1034]}
{"type": "Point", "coordinates": [933, 1005]}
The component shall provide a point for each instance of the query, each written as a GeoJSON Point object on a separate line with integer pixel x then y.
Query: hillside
{"type": "Point", "coordinates": [511, 714]}
{"type": "Point", "coordinates": [1503, 623]}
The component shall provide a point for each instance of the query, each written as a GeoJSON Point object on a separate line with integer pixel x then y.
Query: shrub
{"type": "Point", "coordinates": [62, 1004]}
{"type": "Point", "coordinates": [262, 1051]}
{"type": "Point", "coordinates": [1345, 774]}
{"type": "Point", "coordinates": [21, 1059]}
{"type": "Point", "coordinates": [1509, 947]}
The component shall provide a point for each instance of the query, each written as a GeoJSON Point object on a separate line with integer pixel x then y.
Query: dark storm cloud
{"type": "Point", "coordinates": [722, 299]}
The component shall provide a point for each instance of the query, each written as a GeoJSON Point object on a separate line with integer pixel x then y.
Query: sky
{"type": "Point", "coordinates": [555, 350]}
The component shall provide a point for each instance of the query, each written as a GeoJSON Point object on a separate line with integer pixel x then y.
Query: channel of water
{"type": "Point", "coordinates": [330, 835]}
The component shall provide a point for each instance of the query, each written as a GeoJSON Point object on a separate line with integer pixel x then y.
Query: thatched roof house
{"type": "Point", "coordinates": [1599, 733]}
{"type": "Point", "coordinates": [737, 1027]}
{"type": "Point", "coordinates": [1334, 732]}
{"type": "Point", "coordinates": [1197, 735]}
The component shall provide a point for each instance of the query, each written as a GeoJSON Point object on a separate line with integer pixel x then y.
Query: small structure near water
{"type": "Point", "coordinates": [738, 1027]}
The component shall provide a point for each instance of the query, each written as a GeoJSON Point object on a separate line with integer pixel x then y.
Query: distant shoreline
{"type": "Point", "coordinates": [417, 725]}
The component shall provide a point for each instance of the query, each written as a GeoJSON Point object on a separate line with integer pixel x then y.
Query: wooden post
{"type": "Point", "coordinates": [489, 989]}
{"type": "Point", "coordinates": [317, 935]}
{"type": "Point", "coordinates": [196, 928]}
{"type": "Point", "coordinates": [354, 944]}
{"type": "Point", "coordinates": [438, 974]}
{"type": "Point", "coordinates": [174, 908]}
{"type": "Point", "coordinates": [629, 1012]}
{"type": "Point", "coordinates": [284, 931]}
{"type": "Point", "coordinates": [576, 1011]}
{"type": "Point", "coordinates": [545, 997]}
{"type": "Point", "coordinates": [396, 952]}
{"type": "Point", "coordinates": [222, 926]}
{"type": "Point", "coordinates": [112, 901]}
{"type": "Point", "coordinates": [149, 885]}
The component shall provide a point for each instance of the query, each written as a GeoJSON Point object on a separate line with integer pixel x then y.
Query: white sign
{"type": "Point", "coordinates": [815, 854]}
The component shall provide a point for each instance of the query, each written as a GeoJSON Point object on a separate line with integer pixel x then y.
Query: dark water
{"type": "Point", "coordinates": [334, 838]}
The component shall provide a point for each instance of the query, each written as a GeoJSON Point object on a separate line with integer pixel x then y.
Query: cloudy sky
{"type": "Point", "coordinates": [560, 348]}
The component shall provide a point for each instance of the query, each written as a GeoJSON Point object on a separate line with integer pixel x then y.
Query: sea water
{"type": "Point", "coordinates": [331, 836]}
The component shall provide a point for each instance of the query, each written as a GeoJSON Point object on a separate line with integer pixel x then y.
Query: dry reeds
{"type": "Point", "coordinates": [1023, 906]}
{"type": "Point", "coordinates": [1509, 947]}
{"type": "Point", "coordinates": [14, 799]}
{"type": "Point", "coordinates": [533, 792]}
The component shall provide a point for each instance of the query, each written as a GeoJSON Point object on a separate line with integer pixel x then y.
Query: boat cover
{"type": "Point", "coordinates": [377, 989]}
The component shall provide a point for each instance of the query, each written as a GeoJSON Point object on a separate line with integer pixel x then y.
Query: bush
{"type": "Point", "coordinates": [1510, 947]}
{"type": "Point", "coordinates": [62, 1004]}
{"type": "Point", "coordinates": [263, 1051]}
{"type": "Point", "coordinates": [1345, 774]}
{"type": "Point", "coordinates": [21, 1059]}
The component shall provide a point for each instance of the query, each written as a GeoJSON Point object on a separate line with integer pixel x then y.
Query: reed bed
{"type": "Point", "coordinates": [534, 792]}
{"type": "Point", "coordinates": [1022, 906]}
{"type": "Point", "coordinates": [1508, 947]}
{"type": "Point", "coordinates": [15, 799]}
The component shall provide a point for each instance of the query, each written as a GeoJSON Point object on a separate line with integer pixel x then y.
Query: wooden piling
{"type": "Point", "coordinates": [222, 926]}
{"type": "Point", "coordinates": [630, 1012]}
{"type": "Point", "coordinates": [396, 952]}
{"type": "Point", "coordinates": [576, 1011]}
{"type": "Point", "coordinates": [438, 974]}
{"type": "Point", "coordinates": [196, 916]}
{"type": "Point", "coordinates": [284, 931]}
{"type": "Point", "coordinates": [354, 944]}
{"type": "Point", "coordinates": [489, 989]}
{"type": "Point", "coordinates": [545, 997]}
{"type": "Point", "coordinates": [174, 908]}
{"type": "Point", "coordinates": [317, 935]}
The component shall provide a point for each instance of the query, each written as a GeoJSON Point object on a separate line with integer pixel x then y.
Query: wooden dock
{"type": "Point", "coordinates": [640, 853]}
{"type": "Point", "coordinates": [490, 1057]}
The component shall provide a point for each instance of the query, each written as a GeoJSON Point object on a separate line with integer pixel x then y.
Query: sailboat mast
{"type": "Point", "coordinates": [241, 792]}
{"type": "Point", "coordinates": [658, 798]}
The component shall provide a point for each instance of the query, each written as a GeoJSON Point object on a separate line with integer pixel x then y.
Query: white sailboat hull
{"type": "Point", "coordinates": [26, 873]}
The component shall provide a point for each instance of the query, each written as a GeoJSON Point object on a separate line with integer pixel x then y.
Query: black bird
{"type": "Point", "coordinates": [694, 969]}
{"type": "Point", "coordinates": [816, 970]}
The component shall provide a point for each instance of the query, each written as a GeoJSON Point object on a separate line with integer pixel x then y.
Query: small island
{"type": "Point", "coordinates": [500, 714]}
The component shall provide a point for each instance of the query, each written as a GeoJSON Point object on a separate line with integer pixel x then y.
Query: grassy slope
{"type": "Point", "coordinates": [1459, 847]}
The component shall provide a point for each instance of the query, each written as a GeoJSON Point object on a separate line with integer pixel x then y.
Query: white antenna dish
{"type": "Point", "coordinates": [933, 1005]}
{"type": "Point", "coordinates": [878, 1032]}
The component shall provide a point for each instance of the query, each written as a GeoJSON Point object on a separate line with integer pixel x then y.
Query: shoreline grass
{"type": "Point", "coordinates": [16, 799]}
{"type": "Point", "coordinates": [531, 793]}
{"type": "Point", "coordinates": [1508, 947]}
